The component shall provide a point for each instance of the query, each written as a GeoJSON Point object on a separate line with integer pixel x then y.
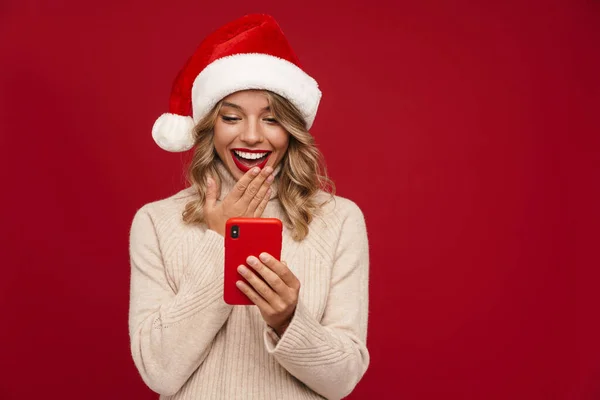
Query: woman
{"type": "Point", "coordinates": [252, 106]}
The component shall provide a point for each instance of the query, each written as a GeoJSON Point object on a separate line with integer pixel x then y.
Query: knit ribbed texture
{"type": "Point", "coordinates": [188, 344]}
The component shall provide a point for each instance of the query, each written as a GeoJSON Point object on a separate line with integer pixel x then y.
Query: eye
{"type": "Point", "coordinates": [271, 120]}
{"type": "Point", "coordinates": [227, 118]}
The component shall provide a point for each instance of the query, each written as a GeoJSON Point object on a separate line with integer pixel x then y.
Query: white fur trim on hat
{"type": "Point", "coordinates": [173, 132]}
{"type": "Point", "coordinates": [231, 74]}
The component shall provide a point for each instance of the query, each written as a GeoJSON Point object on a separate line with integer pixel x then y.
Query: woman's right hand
{"type": "Point", "coordinates": [248, 198]}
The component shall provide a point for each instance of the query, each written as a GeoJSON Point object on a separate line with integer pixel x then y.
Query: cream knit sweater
{"type": "Point", "coordinates": [188, 344]}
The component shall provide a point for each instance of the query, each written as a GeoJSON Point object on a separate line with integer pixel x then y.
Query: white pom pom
{"type": "Point", "coordinates": [173, 132]}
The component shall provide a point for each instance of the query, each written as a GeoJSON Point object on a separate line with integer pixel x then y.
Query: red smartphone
{"type": "Point", "coordinates": [246, 237]}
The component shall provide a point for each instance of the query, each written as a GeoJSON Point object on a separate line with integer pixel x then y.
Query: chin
{"type": "Point", "coordinates": [235, 172]}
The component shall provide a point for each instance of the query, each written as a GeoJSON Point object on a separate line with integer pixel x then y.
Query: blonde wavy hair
{"type": "Point", "coordinates": [302, 175]}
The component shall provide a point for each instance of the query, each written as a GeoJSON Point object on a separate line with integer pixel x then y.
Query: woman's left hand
{"type": "Point", "coordinates": [277, 298]}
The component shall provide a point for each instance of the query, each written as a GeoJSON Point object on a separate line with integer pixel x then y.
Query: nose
{"type": "Point", "coordinates": [253, 133]}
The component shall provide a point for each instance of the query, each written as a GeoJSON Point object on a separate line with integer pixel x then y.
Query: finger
{"type": "Point", "coordinates": [251, 192]}
{"type": "Point", "coordinates": [211, 193]}
{"type": "Point", "coordinates": [241, 186]}
{"type": "Point", "coordinates": [274, 281]}
{"type": "Point", "coordinates": [258, 199]}
{"type": "Point", "coordinates": [254, 297]}
{"type": "Point", "coordinates": [281, 269]}
{"type": "Point", "coordinates": [258, 284]}
{"type": "Point", "coordinates": [263, 204]}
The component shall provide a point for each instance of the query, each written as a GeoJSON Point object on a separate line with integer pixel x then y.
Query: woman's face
{"type": "Point", "coordinates": [247, 134]}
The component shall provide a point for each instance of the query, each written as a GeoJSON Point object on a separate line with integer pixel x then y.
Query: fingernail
{"type": "Point", "coordinates": [270, 178]}
{"type": "Point", "coordinates": [255, 171]}
{"type": "Point", "coordinates": [251, 260]}
{"type": "Point", "coordinates": [264, 257]}
{"type": "Point", "coordinates": [268, 170]}
{"type": "Point", "coordinates": [242, 270]}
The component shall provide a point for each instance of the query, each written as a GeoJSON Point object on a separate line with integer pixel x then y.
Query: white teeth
{"type": "Point", "coordinates": [250, 156]}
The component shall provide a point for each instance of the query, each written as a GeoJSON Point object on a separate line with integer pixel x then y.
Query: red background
{"type": "Point", "coordinates": [464, 131]}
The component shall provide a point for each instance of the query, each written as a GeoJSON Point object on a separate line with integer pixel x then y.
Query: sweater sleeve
{"type": "Point", "coordinates": [330, 356]}
{"type": "Point", "coordinates": [172, 331]}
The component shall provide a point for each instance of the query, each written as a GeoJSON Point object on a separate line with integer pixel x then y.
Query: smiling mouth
{"type": "Point", "coordinates": [245, 159]}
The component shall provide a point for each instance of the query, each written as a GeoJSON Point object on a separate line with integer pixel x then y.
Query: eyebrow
{"type": "Point", "coordinates": [237, 107]}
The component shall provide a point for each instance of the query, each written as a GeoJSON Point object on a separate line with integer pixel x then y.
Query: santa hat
{"type": "Point", "coordinates": [248, 53]}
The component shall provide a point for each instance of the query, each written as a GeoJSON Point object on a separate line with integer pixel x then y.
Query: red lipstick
{"type": "Point", "coordinates": [244, 164]}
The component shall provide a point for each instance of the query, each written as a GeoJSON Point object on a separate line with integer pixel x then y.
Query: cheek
{"type": "Point", "coordinates": [280, 144]}
{"type": "Point", "coordinates": [222, 137]}
{"type": "Point", "coordinates": [280, 140]}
